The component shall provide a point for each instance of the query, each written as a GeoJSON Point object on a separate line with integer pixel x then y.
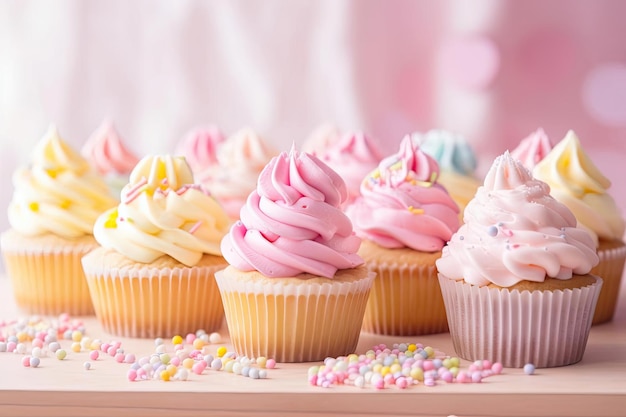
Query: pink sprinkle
{"type": "Point", "coordinates": [428, 366]}
{"type": "Point", "coordinates": [447, 376]}
{"type": "Point", "coordinates": [179, 347]}
{"type": "Point", "coordinates": [132, 375]}
{"type": "Point", "coordinates": [195, 227]}
{"type": "Point", "coordinates": [141, 373]}
{"type": "Point", "coordinates": [401, 383]}
{"type": "Point", "coordinates": [37, 342]}
{"type": "Point", "coordinates": [112, 350]}
{"type": "Point", "coordinates": [463, 377]}
{"type": "Point", "coordinates": [93, 355]}
{"type": "Point", "coordinates": [175, 361]}
{"type": "Point", "coordinates": [11, 346]}
{"type": "Point", "coordinates": [190, 338]}
{"type": "Point", "coordinates": [429, 382]}
{"type": "Point", "coordinates": [476, 377]}
{"type": "Point", "coordinates": [104, 347]}
{"type": "Point", "coordinates": [379, 383]}
{"type": "Point", "coordinates": [496, 368]}
{"type": "Point", "coordinates": [64, 317]}
{"type": "Point", "coordinates": [197, 368]}
{"type": "Point", "coordinates": [119, 357]}
{"type": "Point", "coordinates": [487, 364]}
{"type": "Point", "coordinates": [129, 358]}
{"type": "Point", "coordinates": [313, 379]}
{"type": "Point", "coordinates": [26, 361]}
{"type": "Point", "coordinates": [270, 364]}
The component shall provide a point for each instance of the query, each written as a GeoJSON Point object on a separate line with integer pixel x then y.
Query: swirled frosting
{"type": "Point", "coordinates": [353, 157]}
{"type": "Point", "coordinates": [59, 193]}
{"type": "Point", "coordinates": [106, 152]}
{"type": "Point", "coordinates": [292, 222]}
{"type": "Point", "coordinates": [532, 149]}
{"type": "Point", "coordinates": [403, 205]}
{"type": "Point", "coordinates": [321, 138]}
{"type": "Point", "coordinates": [200, 146]}
{"type": "Point", "coordinates": [515, 231]}
{"type": "Point", "coordinates": [240, 160]}
{"type": "Point", "coordinates": [163, 212]}
{"type": "Point", "coordinates": [457, 163]}
{"type": "Point", "coordinates": [575, 181]}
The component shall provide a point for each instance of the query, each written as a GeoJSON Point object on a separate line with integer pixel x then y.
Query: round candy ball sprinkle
{"type": "Point", "coordinates": [61, 354]}
{"type": "Point", "coordinates": [87, 366]}
{"type": "Point", "coordinates": [215, 338]}
{"type": "Point", "coordinates": [34, 362]}
{"type": "Point", "coordinates": [529, 369]}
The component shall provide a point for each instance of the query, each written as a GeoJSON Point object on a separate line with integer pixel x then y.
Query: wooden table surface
{"type": "Point", "coordinates": [594, 387]}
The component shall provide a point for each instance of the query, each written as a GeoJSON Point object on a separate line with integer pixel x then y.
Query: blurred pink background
{"type": "Point", "coordinates": [491, 70]}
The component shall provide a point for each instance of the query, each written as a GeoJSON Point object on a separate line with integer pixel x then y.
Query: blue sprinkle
{"type": "Point", "coordinates": [492, 231]}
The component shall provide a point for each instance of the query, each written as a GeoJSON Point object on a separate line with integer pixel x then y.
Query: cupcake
{"type": "Point", "coordinates": [240, 159]}
{"type": "Point", "coordinates": [54, 206]}
{"type": "Point", "coordinates": [405, 217]}
{"type": "Point", "coordinates": [106, 152]}
{"type": "Point", "coordinates": [457, 164]}
{"type": "Point", "coordinates": [159, 249]}
{"type": "Point", "coordinates": [532, 149]}
{"type": "Point", "coordinates": [295, 289]}
{"type": "Point", "coordinates": [199, 147]}
{"type": "Point", "coordinates": [353, 156]}
{"type": "Point", "coordinates": [575, 181]}
{"type": "Point", "coordinates": [515, 277]}
{"type": "Point", "coordinates": [321, 138]}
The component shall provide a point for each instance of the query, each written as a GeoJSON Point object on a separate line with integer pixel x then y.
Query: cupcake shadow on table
{"type": "Point", "coordinates": [153, 274]}
{"type": "Point", "coordinates": [295, 289]}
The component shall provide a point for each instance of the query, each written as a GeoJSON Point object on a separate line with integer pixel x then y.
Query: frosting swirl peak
{"type": "Point", "coordinates": [292, 222]}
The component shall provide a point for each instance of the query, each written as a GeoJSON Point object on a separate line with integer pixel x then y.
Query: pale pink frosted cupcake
{"type": "Point", "coordinates": [532, 149]}
{"type": "Point", "coordinates": [353, 156]}
{"type": "Point", "coordinates": [295, 289]}
{"type": "Point", "coordinates": [515, 277]}
{"type": "Point", "coordinates": [405, 217]}
{"type": "Point", "coordinates": [321, 138]}
{"type": "Point", "coordinates": [199, 147]}
{"type": "Point", "coordinates": [240, 159]}
{"type": "Point", "coordinates": [107, 153]}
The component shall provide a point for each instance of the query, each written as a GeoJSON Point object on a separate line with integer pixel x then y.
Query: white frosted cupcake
{"type": "Point", "coordinates": [240, 159]}
{"type": "Point", "coordinates": [55, 203]}
{"type": "Point", "coordinates": [515, 277]}
{"type": "Point", "coordinates": [153, 274]}
{"type": "Point", "coordinates": [575, 181]}
{"type": "Point", "coordinates": [296, 290]}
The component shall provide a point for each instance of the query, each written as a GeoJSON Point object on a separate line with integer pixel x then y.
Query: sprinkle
{"type": "Point", "coordinates": [529, 369]}
{"type": "Point", "coordinates": [34, 206]}
{"type": "Point", "coordinates": [195, 227]}
{"type": "Point", "coordinates": [215, 338]}
{"type": "Point", "coordinates": [221, 351]}
{"type": "Point", "coordinates": [87, 366]}
{"type": "Point", "coordinates": [492, 230]}
{"type": "Point", "coordinates": [177, 340]}
{"type": "Point", "coordinates": [61, 354]}
{"type": "Point", "coordinates": [26, 361]}
{"type": "Point", "coordinates": [414, 210]}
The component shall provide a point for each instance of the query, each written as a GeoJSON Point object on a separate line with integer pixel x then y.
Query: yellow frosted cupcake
{"type": "Point", "coordinates": [55, 204]}
{"type": "Point", "coordinates": [405, 217]}
{"type": "Point", "coordinates": [295, 290]}
{"type": "Point", "coordinates": [515, 277]}
{"type": "Point", "coordinates": [575, 181]}
{"type": "Point", "coordinates": [154, 272]}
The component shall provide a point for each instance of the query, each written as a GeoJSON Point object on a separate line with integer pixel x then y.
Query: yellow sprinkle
{"type": "Point", "coordinates": [177, 340]}
{"type": "Point", "coordinates": [52, 173]}
{"type": "Point", "coordinates": [111, 221]}
{"type": "Point", "coordinates": [77, 335]}
{"type": "Point", "coordinates": [415, 210]}
{"type": "Point", "coordinates": [75, 347]}
{"type": "Point", "coordinates": [412, 347]}
{"type": "Point", "coordinates": [171, 369]}
{"type": "Point", "coordinates": [417, 373]}
{"type": "Point", "coordinates": [198, 344]}
{"type": "Point", "coordinates": [34, 206]}
{"type": "Point", "coordinates": [221, 351]}
{"type": "Point", "coordinates": [384, 370]}
{"type": "Point", "coordinates": [65, 204]}
{"type": "Point", "coordinates": [165, 376]}
{"type": "Point", "coordinates": [188, 363]}
{"type": "Point", "coordinates": [376, 174]}
{"type": "Point", "coordinates": [430, 351]}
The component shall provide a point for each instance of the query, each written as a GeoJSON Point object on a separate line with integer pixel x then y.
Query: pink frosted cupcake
{"type": "Point", "coordinates": [322, 137]}
{"type": "Point", "coordinates": [353, 156]}
{"type": "Point", "coordinates": [107, 153]}
{"type": "Point", "coordinates": [199, 147]}
{"type": "Point", "coordinates": [575, 181]}
{"type": "Point", "coordinates": [532, 149]}
{"type": "Point", "coordinates": [240, 160]}
{"type": "Point", "coordinates": [55, 203]}
{"type": "Point", "coordinates": [295, 289]}
{"type": "Point", "coordinates": [159, 249]}
{"type": "Point", "coordinates": [515, 277]}
{"type": "Point", "coordinates": [405, 217]}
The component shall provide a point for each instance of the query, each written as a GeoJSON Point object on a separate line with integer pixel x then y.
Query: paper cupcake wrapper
{"type": "Point", "coordinates": [49, 282]}
{"type": "Point", "coordinates": [405, 301]}
{"type": "Point", "coordinates": [610, 269]}
{"type": "Point", "coordinates": [545, 328]}
{"type": "Point", "coordinates": [148, 302]}
{"type": "Point", "coordinates": [294, 323]}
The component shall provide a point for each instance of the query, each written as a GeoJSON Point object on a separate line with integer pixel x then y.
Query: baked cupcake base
{"type": "Point", "coordinates": [406, 298]}
{"type": "Point", "coordinates": [46, 273]}
{"type": "Point", "coordinates": [299, 319]}
{"type": "Point", "coordinates": [612, 254]}
{"type": "Point", "coordinates": [546, 324]}
{"type": "Point", "coordinates": [161, 299]}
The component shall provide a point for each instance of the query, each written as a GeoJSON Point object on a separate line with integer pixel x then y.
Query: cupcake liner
{"type": "Point", "coordinates": [610, 269]}
{"type": "Point", "coordinates": [545, 328]}
{"type": "Point", "coordinates": [294, 322]}
{"type": "Point", "coordinates": [49, 282]}
{"type": "Point", "coordinates": [405, 301]}
{"type": "Point", "coordinates": [151, 302]}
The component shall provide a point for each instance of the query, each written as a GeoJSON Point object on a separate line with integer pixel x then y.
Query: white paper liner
{"type": "Point", "coordinates": [405, 301]}
{"type": "Point", "coordinates": [294, 323]}
{"type": "Point", "coordinates": [545, 328]}
{"type": "Point", "coordinates": [610, 269]}
{"type": "Point", "coordinates": [49, 282]}
{"type": "Point", "coordinates": [148, 302]}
